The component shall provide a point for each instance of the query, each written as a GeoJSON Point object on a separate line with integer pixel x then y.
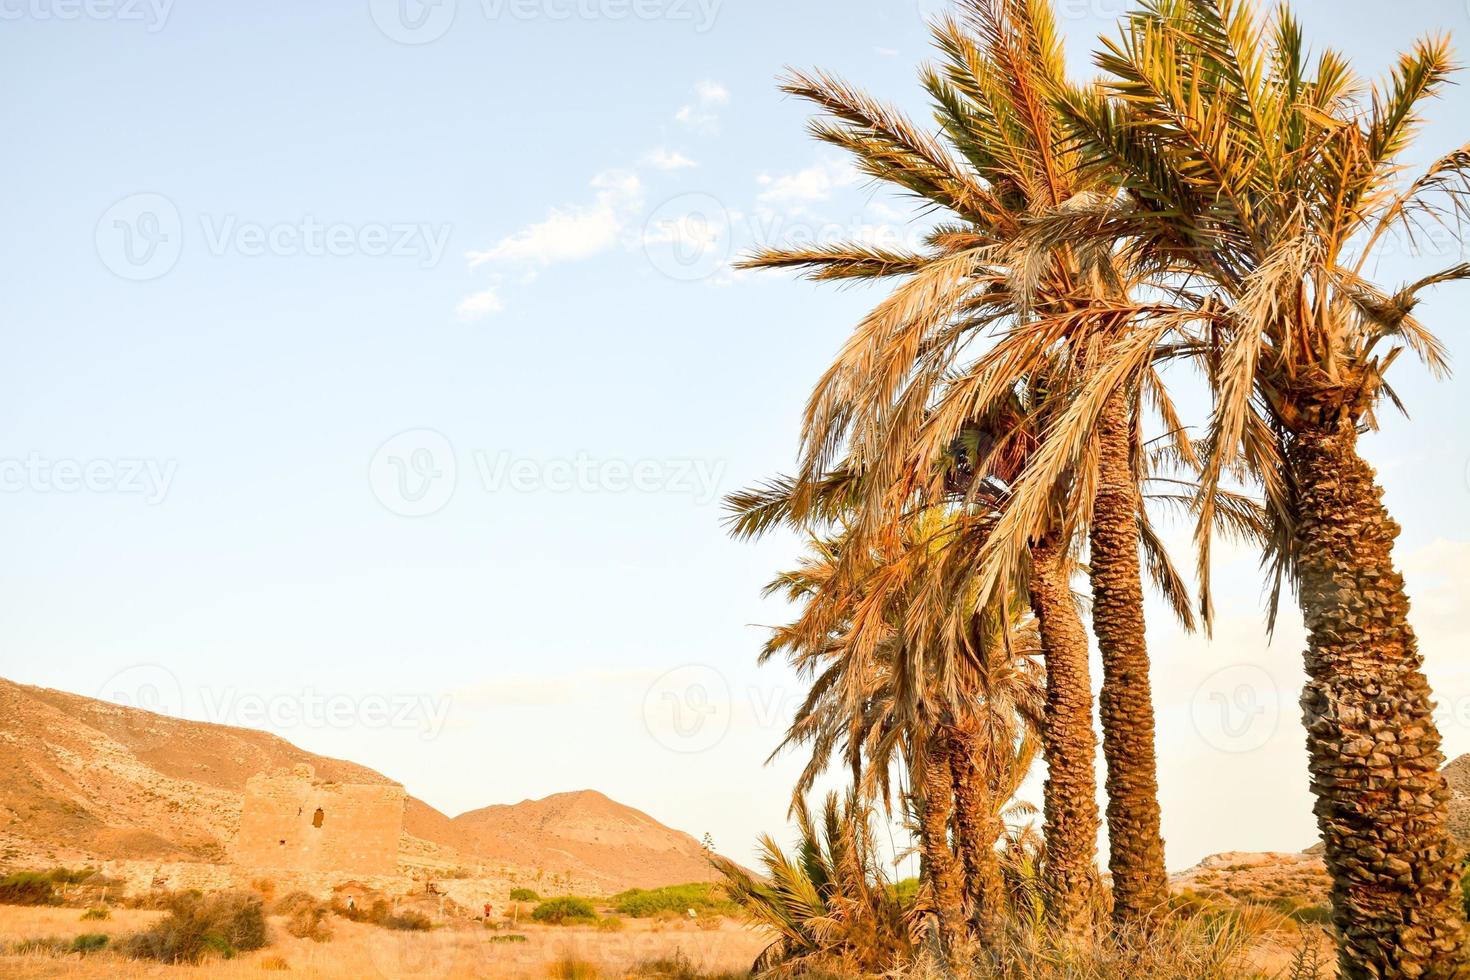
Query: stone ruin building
{"type": "Point", "coordinates": [293, 821]}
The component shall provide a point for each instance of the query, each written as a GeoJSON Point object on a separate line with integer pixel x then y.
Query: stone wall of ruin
{"type": "Point", "coordinates": [292, 821]}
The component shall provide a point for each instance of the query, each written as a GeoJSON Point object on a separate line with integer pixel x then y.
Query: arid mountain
{"type": "Point", "coordinates": [585, 835]}
{"type": "Point", "coordinates": [86, 780]}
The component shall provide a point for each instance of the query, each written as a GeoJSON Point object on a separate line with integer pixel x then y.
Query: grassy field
{"type": "Point", "coordinates": [362, 951]}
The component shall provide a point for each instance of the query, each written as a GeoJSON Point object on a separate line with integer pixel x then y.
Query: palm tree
{"type": "Point", "coordinates": [881, 684]}
{"type": "Point", "coordinates": [829, 904]}
{"type": "Point", "coordinates": [1255, 188]}
{"type": "Point", "coordinates": [1002, 163]}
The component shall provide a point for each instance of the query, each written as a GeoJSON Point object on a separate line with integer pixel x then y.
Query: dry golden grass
{"type": "Point", "coordinates": [361, 951]}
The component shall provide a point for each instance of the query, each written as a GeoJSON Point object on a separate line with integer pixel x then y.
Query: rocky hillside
{"type": "Point", "coordinates": [1270, 876]}
{"type": "Point", "coordinates": [585, 835]}
{"type": "Point", "coordinates": [85, 781]}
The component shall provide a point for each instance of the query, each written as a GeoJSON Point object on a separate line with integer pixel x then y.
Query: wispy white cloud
{"type": "Point", "coordinates": [665, 159]}
{"type": "Point", "coordinates": [794, 192]}
{"type": "Point", "coordinates": [486, 302]}
{"type": "Point", "coordinates": [886, 52]}
{"type": "Point", "coordinates": [568, 233]}
{"type": "Point", "coordinates": [575, 231]}
{"type": "Point", "coordinates": [702, 114]}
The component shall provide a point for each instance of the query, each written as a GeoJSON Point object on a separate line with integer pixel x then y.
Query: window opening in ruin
{"type": "Point", "coordinates": [316, 818]}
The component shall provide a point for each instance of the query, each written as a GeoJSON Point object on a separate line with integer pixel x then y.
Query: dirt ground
{"type": "Point", "coordinates": [362, 951]}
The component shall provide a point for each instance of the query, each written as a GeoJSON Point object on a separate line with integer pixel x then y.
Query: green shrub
{"type": "Point", "coordinates": [100, 913]}
{"type": "Point", "coordinates": [563, 911]}
{"type": "Point", "coordinates": [66, 876]}
{"type": "Point", "coordinates": [510, 937]}
{"type": "Point", "coordinates": [57, 946]}
{"type": "Point", "coordinates": [523, 895]}
{"type": "Point", "coordinates": [1465, 891]}
{"type": "Point", "coordinates": [700, 896]}
{"type": "Point", "coordinates": [196, 927]}
{"type": "Point", "coordinates": [28, 888]}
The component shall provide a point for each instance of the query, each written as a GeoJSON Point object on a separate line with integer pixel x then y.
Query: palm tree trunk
{"type": "Point", "coordinates": [1069, 745]}
{"type": "Point", "coordinates": [1136, 845]}
{"type": "Point", "coordinates": [946, 883]}
{"type": "Point", "coordinates": [978, 830]}
{"type": "Point", "coordinates": [1374, 750]}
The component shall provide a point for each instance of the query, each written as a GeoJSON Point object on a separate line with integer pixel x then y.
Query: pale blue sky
{"type": "Point", "coordinates": [508, 212]}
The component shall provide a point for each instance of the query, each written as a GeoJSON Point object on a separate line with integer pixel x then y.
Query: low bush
{"type": "Point", "coordinates": [98, 914]}
{"type": "Point", "coordinates": [58, 946]}
{"type": "Point", "coordinates": [275, 963]}
{"type": "Point", "coordinates": [28, 888]}
{"type": "Point", "coordinates": [310, 923]}
{"type": "Point", "coordinates": [523, 895]}
{"type": "Point", "coordinates": [572, 969]}
{"type": "Point", "coordinates": [68, 876]}
{"type": "Point", "coordinates": [197, 927]}
{"type": "Point", "coordinates": [408, 922]}
{"type": "Point", "coordinates": [565, 911]}
{"type": "Point", "coordinates": [1304, 912]}
{"type": "Point", "coordinates": [677, 967]}
{"type": "Point", "coordinates": [510, 937]}
{"type": "Point", "coordinates": [306, 917]}
{"type": "Point", "coordinates": [610, 924]}
{"type": "Point", "coordinates": [700, 896]}
{"type": "Point", "coordinates": [381, 914]}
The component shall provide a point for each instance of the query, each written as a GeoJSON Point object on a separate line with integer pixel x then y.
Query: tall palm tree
{"type": "Point", "coordinates": [1256, 187]}
{"type": "Point", "coordinates": [1002, 162]}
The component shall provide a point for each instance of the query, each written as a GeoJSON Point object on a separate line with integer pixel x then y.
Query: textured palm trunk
{"type": "Point", "coordinates": [1069, 745]}
{"type": "Point", "coordinates": [978, 830]}
{"type": "Point", "coordinates": [1374, 750]}
{"type": "Point", "coordinates": [946, 881]}
{"type": "Point", "coordinates": [1136, 845]}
